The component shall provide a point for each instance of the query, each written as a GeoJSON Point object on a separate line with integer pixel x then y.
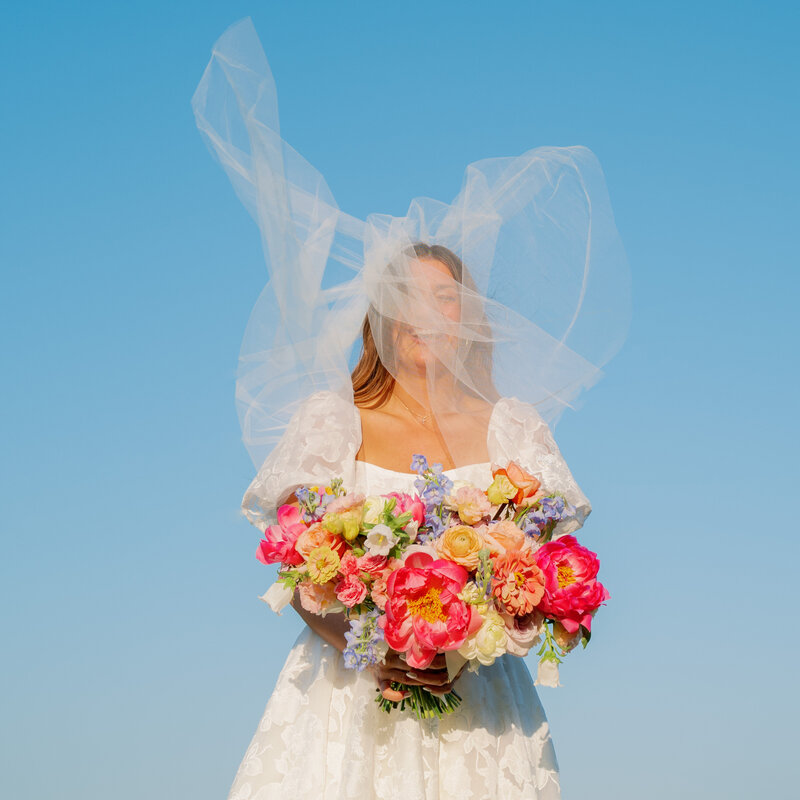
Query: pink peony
{"type": "Point", "coordinates": [409, 502]}
{"type": "Point", "coordinates": [424, 614]}
{"type": "Point", "coordinates": [351, 591]}
{"type": "Point", "coordinates": [571, 591]}
{"type": "Point", "coordinates": [279, 541]}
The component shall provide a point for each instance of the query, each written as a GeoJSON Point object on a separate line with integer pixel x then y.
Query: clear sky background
{"type": "Point", "coordinates": [136, 658]}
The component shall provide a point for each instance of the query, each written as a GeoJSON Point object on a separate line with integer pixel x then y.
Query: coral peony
{"type": "Point", "coordinates": [518, 582]}
{"type": "Point", "coordinates": [424, 614]}
{"type": "Point", "coordinates": [572, 592]}
{"type": "Point", "coordinates": [280, 540]}
{"type": "Point", "coordinates": [461, 544]}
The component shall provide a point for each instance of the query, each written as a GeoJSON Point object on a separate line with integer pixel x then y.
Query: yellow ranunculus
{"type": "Point", "coordinates": [461, 544]}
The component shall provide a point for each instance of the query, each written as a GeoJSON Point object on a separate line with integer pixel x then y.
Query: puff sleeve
{"type": "Point", "coordinates": [518, 433]}
{"type": "Point", "coordinates": [320, 443]}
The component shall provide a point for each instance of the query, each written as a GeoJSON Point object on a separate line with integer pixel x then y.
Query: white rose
{"type": "Point", "coordinates": [547, 674]}
{"type": "Point", "coordinates": [487, 643]}
{"type": "Point", "coordinates": [278, 596]}
{"type": "Point", "coordinates": [373, 509]}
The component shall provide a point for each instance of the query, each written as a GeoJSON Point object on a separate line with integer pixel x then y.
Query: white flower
{"type": "Point", "coordinates": [547, 674]}
{"type": "Point", "coordinates": [380, 540]}
{"type": "Point", "coordinates": [278, 596]}
{"type": "Point", "coordinates": [487, 643]}
{"type": "Point", "coordinates": [412, 529]}
{"type": "Point", "coordinates": [373, 509]}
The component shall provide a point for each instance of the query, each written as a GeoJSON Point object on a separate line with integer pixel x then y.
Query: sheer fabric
{"type": "Point", "coordinates": [533, 302]}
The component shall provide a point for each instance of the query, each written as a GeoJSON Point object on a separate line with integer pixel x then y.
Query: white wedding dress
{"type": "Point", "coordinates": [322, 735]}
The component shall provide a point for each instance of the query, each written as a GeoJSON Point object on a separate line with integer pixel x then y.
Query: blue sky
{"type": "Point", "coordinates": [137, 659]}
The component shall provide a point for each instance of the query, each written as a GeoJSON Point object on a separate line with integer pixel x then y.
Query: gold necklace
{"type": "Point", "coordinates": [420, 418]}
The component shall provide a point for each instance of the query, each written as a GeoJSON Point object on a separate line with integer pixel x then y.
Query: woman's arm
{"type": "Point", "coordinates": [331, 628]}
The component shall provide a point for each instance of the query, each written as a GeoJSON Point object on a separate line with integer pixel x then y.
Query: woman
{"type": "Point", "coordinates": [446, 355]}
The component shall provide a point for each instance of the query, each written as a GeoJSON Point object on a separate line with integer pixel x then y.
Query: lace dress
{"type": "Point", "coordinates": [322, 735]}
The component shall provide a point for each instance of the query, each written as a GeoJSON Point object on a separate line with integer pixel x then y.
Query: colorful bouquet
{"type": "Point", "coordinates": [450, 569]}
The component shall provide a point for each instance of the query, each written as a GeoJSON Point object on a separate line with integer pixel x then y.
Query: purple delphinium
{"type": "Point", "coordinates": [366, 643]}
{"type": "Point", "coordinates": [433, 487]}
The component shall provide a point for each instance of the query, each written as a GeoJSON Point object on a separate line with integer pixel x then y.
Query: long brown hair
{"type": "Point", "coordinates": [373, 383]}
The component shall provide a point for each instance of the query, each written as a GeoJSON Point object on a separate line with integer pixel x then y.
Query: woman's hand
{"type": "Point", "coordinates": [395, 668]}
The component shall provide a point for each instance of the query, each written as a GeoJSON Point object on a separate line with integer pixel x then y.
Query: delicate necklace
{"type": "Point", "coordinates": [422, 419]}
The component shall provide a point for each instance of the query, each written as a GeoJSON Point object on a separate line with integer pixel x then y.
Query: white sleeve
{"type": "Point", "coordinates": [319, 444]}
{"type": "Point", "coordinates": [518, 433]}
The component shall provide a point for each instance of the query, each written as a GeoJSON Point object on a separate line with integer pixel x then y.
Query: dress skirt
{"type": "Point", "coordinates": [323, 737]}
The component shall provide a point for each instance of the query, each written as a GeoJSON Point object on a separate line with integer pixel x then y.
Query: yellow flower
{"type": "Point", "coordinates": [501, 490]}
{"type": "Point", "coordinates": [322, 564]}
{"type": "Point", "coordinates": [346, 523]}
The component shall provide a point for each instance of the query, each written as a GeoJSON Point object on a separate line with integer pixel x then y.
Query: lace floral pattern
{"type": "Point", "coordinates": [322, 736]}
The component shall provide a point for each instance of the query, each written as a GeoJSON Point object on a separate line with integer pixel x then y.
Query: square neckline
{"type": "Point", "coordinates": [444, 471]}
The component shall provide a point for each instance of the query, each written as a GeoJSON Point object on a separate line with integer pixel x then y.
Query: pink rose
{"type": "Point", "coordinates": [571, 591]}
{"type": "Point", "coordinates": [280, 539]}
{"type": "Point", "coordinates": [472, 504]}
{"type": "Point", "coordinates": [348, 566]}
{"type": "Point", "coordinates": [424, 615]}
{"type": "Point", "coordinates": [351, 591]}
{"type": "Point", "coordinates": [372, 565]}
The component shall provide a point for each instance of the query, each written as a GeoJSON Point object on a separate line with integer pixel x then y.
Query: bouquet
{"type": "Point", "coordinates": [452, 568]}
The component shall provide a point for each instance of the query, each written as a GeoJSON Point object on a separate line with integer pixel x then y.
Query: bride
{"type": "Point", "coordinates": [475, 323]}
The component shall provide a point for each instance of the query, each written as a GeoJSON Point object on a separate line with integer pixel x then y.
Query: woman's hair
{"type": "Point", "coordinates": [373, 383]}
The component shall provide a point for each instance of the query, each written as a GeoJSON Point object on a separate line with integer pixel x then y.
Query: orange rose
{"type": "Point", "coordinates": [317, 536]}
{"type": "Point", "coordinates": [503, 536]}
{"type": "Point", "coordinates": [525, 483]}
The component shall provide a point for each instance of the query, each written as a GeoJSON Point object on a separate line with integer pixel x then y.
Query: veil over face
{"type": "Point", "coordinates": [519, 287]}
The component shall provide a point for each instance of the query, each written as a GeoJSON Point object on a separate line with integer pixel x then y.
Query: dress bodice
{"type": "Point", "coordinates": [324, 435]}
{"type": "Point", "coordinates": [372, 479]}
